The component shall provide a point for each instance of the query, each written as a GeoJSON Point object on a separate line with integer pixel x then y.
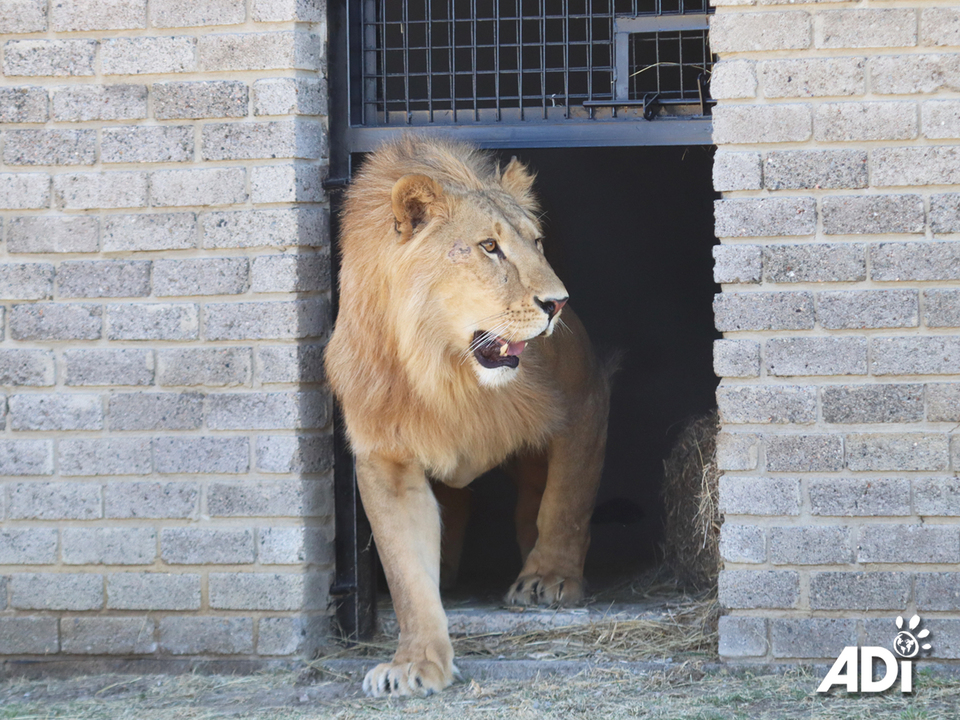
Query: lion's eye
{"type": "Point", "coordinates": [489, 245]}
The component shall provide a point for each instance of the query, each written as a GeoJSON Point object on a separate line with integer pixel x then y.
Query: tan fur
{"type": "Point", "coordinates": [415, 285]}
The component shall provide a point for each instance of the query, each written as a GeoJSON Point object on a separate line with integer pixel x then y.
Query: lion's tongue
{"type": "Point", "coordinates": [511, 348]}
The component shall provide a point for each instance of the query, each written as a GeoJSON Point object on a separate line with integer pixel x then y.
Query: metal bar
{"type": "Point", "coordinates": [621, 64]}
{"type": "Point", "coordinates": [496, 55]}
{"type": "Point", "coordinates": [662, 23]}
{"type": "Point", "coordinates": [519, 7]}
{"type": "Point", "coordinates": [566, 58]}
{"type": "Point", "coordinates": [473, 57]}
{"type": "Point", "coordinates": [543, 57]}
{"type": "Point", "coordinates": [429, 51]}
{"type": "Point", "coordinates": [451, 13]}
{"type": "Point", "coordinates": [405, 25]}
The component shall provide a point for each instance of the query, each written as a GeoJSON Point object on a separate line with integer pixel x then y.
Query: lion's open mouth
{"type": "Point", "coordinates": [495, 352]}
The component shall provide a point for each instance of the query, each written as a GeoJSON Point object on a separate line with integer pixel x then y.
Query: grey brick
{"type": "Point", "coordinates": [26, 457]}
{"type": "Point", "coordinates": [23, 104]}
{"type": "Point", "coordinates": [211, 98]}
{"type": "Point", "coordinates": [296, 545]}
{"type": "Point", "coordinates": [859, 590]}
{"type": "Point", "coordinates": [23, 16]}
{"type": "Point", "coordinates": [859, 497]}
{"type": "Point", "coordinates": [743, 543]}
{"type": "Point", "coordinates": [56, 591]}
{"type": "Point", "coordinates": [291, 273]}
{"type": "Point", "coordinates": [22, 281]}
{"type": "Point", "coordinates": [257, 591]}
{"type": "Point", "coordinates": [941, 308]}
{"type": "Point", "coordinates": [737, 451]}
{"type": "Point", "coordinates": [915, 166]}
{"type": "Point", "coordinates": [868, 309]}
{"type": "Point", "coordinates": [742, 637]}
{"type": "Point", "coordinates": [747, 124]}
{"type": "Point", "coordinates": [287, 183]}
{"type": "Point", "coordinates": [909, 544]}
{"type": "Point", "coordinates": [156, 411]}
{"type": "Point", "coordinates": [153, 591]}
{"type": "Point", "coordinates": [284, 498]}
{"type": "Point", "coordinates": [294, 454]}
{"type": "Point", "coordinates": [98, 15]}
{"type": "Point", "coordinates": [186, 455]}
{"type": "Point", "coordinates": [255, 140]}
{"type": "Point", "coordinates": [107, 636]}
{"type": "Point", "coordinates": [915, 355]}
{"type": "Point", "coordinates": [750, 589]}
{"type": "Point", "coordinates": [814, 263]}
{"type": "Point", "coordinates": [109, 367]}
{"type": "Point", "coordinates": [872, 214]}
{"type": "Point", "coordinates": [945, 213]}
{"type": "Point", "coordinates": [187, 13]}
{"type": "Point", "coordinates": [811, 637]}
{"type": "Point", "coordinates": [940, 119]}
{"type": "Point", "coordinates": [732, 79]}
{"type": "Point", "coordinates": [804, 453]}
{"type": "Point", "coordinates": [200, 276]}
{"type": "Point", "coordinates": [92, 191]}
{"type": "Point", "coordinates": [737, 263]}
{"type": "Point", "coordinates": [77, 103]}
{"type": "Point", "coordinates": [787, 357]}
{"type": "Point", "coordinates": [214, 367]}
{"type": "Point", "coordinates": [26, 367]}
{"type": "Point", "coordinates": [820, 545]}
{"type": "Point", "coordinates": [812, 77]}
{"type": "Point", "coordinates": [853, 121]}
{"type": "Point", "coordinates": [29, 635]}
{"type": "Point", "coordinates": [751, 32]}
{"type": "Point", "coordinates": [49, 321]}
{"type": "Point", "coordinates": [103, 278]}
{"type": "Point", "coordinates": [897, 451]}
{"type": "Point", "coordinates": [737, 171]}
{"type": "Point", "coordinates": [865, 28]}
{"type": "Point", "coordinates": [290, 364]}
{"type": "Point", "coordinates": [749, 495]}
{"type": "Point", "coordinates": [268, 411]}
{"type": "Point", "coordinates": [24, 191]}
{"type": "Point", "coordinates": [763, 311]}
{"type": "Point", "coordinates": [765, 217]}
{"type": "Point", "coordinates": [290, 635]}
{"type": "Point", "coordinates": [938, 591]}
{"type": "Point", "coordinates": [943, 402]}
{"type": "Point", "coordinates": [261, 51]}
{"type": "Point", "coordinates": [281, 10]}
{"type": "Point", "coordinates": [174, 231]}
{"type": "Point", "coordinates": [154, 321]}
{"type": "Point", "coordinates": [214, 186]}
{"type": "Point", "coordinates": [915, 261]}
{"type": "Point", "coordinates": [49, 57]}
{"type": "Point", "coordinates": [105, 456]}
{"type": "Point", "coordinates": [279, 320]}
{"type": "Point", "coordinates": [286, 227]}
{"type": "Point", "coordinates": [766, 404]}
{"type": "Point", "coordinates": [28, 546]}
{"type": "Point", "coordinates": [148, 55]}
{"type": "Point", "coordinates": [937, 495]}
{"type": "Point", "coordinates": [872, 403]}
{"type": "Point", "coordinates": [206, 546]}
{"type": "Point", "coordinates": [911, 74]}
{"type": "Point", "coordinates": [290, 96]}
{"type": "Point", "coordinates": [109, 546]}
{"type": "Point", "coordinates": [151, 500]}
{"type": "Point", "coordinates": [60, 411]}
{"type": "Point", "coordinates": [203, 635]}
{"type": "Point", "coordinates": [135, 144]}
{"type": "Point", "coordinates": [940, 26]}
{"type": "Point", "coordinates": [736, 358]}
{"type": "Point", "coordinates": [41, 234]}
{"type": "Point", "coordinates": [815, 169]}
{"type": "Point", "coordinates": [50, 147]}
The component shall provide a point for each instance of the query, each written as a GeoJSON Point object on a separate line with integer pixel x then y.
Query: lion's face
{"type": "Point", "coordinates": [492, 288]}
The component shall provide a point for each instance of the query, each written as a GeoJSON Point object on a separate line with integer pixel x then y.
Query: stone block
{"type": "Point", "coordinates": [818, 545]}
{"type": "Point", "coordinates": [50, 58]}
{"type": "Point", "coordinates": [151, 500]}
{"type": "Point", "coordinates": [763, 311]}
{"type": "Point", "coordinates": [748, 124]}
{"type": "Point", "coordinates": [109, 546]}
{"type": "Point", "coordinates": [941, 308]}
{"type": "Point", "coordinates": [74, 15]}
{"type": "Point", "coordinates": [751, 495]}
{"type": "Point", "coordinates": [148, 55]}
{"type": "Point", "coordinates": [811, 638]}
{"type": "Point", "coordinates": [291, 635]}
{"type": "Point", "coordinates": [26, 457]}
{"type": "Point", "coordinates": [859, 590]}
{"type": "Point", "coordinates": [61, 411]}
{"type": "Point", "coordinates": [945, 213]}
{"type": "Point", "coordinates": [814, 262]}
{"type": "Point", "coordinates": [53, 321]}
{"type": "Point", "coordinates": [285, 10]}
{"type": "Point", "coordinates": [814, 169]}
{"type": "Point", "coordinates": [23, 16]}
{"type": "Point", "coordinates": [268, 411]}
{"type": "Point", "coordinates": [156, 411]}
{"type": "Point", "coordinates": [859, 497]}
{"type": "Point", "coordinates": [287, 183]}
{"type": "Point", "coordinates": [943, 402]}
{"type": "Point", "coordinates": [915, 355]}
{"type": "Point", "coordinates": [153, 591]}
{"type": "Point", "coordinates": [736, 358]}
{"type": "Point", "coordinates": [154, 321]}
{"type": "Point", "coordinates": [24, 191]}
{"type": "Point", "coordinates": [200, 276]}
{"type": "Point", "coordinates": [213, 186]}
{"type": "Point", "coordinates": [737, 263]}
{"type": "Point", "coordinates": [282, 227]}
{"type": "Point", "coordinates": [940, 26]}
{"type": "Point", "coordinates": [80, 103]}
{"type": "Point", "coordinates": [94, 191]}
{"type": "Point", "coordinates": [912, 74]}
{"type": "Point", "coordinates": [107, 636]}
{"type": "Point", "coordinates": [27, 367]}
{"type": "Point", "coordinates": [56, 591]}
{"type": "Point", "coordinates": [865, 28]}
{"type": "Point", "coordinates": [209, 98]}
{"type": "Point", "coordinates": [908, 544]}
{"type": "Point", "coordinates": [737, 451]}
{"type": "Point", "coordinates": [27, 546]}
{"type": "Point", "coordinates": [872, 403]}
{"type": "Point", "coordinates": [853, 121]}
{"type": "Point", "coordinates": [733, 79]}
{"type": "Point", "coordinates": [294, 454]}
{"type": "Point", "coordinates": [135, 144]}
{"type": "Point", "coordinates": [754, 32]}
{"type": "Point", "coordinates": [931, 165]}
{"type": "Point", "coordinates": [37, 635]}
{"type": "Point", "coordinates": [737, 171]}
{"type": "Point", "coordinates": [752, 589]}
{"type": "Point", "coordinates": [940, 119]}
{"type": "Point", "coordinates": [206, 546]}
{"type": "Point", "coordinates": [915, 261]}
{"type": "Point", "coordinates": [189, 455]}
{"type": "Point", "coordinates": [859, 309]}
{"type": "Point", "coordinates": [872, 214]}
{"type": "Point", "coordinates": [742, 637]}
{"type": "Point", "coordinates": [765, 217]}
{"type": "Point", "coordinates": [284, 50]}
{"type": "Point", "coordinates": [291, 273]}
{"type": "Point", "coordinates": [266, 140]}
{"type": "Point", "coordinates": [812, 77]}
{"type": "Point", "coordinates": [897, 451]}
{"type": "Point", "coordinates": [278, 320]}
{"type": "Point", "coordinates": [26, 281]}
{"type": "Point", "coordinates": [743, 543]}
{"type": "Point", "coordinates": [188, 13]}
{"type": "Point", "coordinates": [212, 367]}
{"type": "Point", "coordinates": [290, 96]}
{"type": "Point", "coordinates": [259, 591]}
{"type": "Point", "coordinates": [290, 364]}
{"type": "Point", "coordinates": [206, 635]}
{"type": "Point", "coordinates": [156, 231]}
{"type": "Point", "coordinates": [53, 234]}
{"type": "Point", "coordinates": [786, 357]}
{"type": "Point", "coordinates": [938, 591]}
{"type": "Point", "coordinates": [778, 404]}
{"type": "Point", "coordinates": [125, 366]}
{"type": "Point", "coordinates": [105, 456]}
{"type": "Point", "coordinates": [804, 453]}
{"type": "Point", "coordinates": [285, 498]}
{"type": "Point", "coordinates": [103, 278]}
{"type": "Point", "coordinates": [50, 147]}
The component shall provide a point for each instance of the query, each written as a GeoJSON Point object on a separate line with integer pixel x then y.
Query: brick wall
{"type": "Point", "coordinates": [165, 453]}
{"type": "Point", "coordinates": [838, 157]}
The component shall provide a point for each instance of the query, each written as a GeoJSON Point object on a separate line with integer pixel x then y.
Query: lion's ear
{"type": "Point", "coordinates": [415, 197]}
{"type": "Point", "coordinates": [518, 181]}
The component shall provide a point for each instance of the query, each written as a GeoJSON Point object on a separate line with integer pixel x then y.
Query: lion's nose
{"type": "Point", "coordinates": [551, 306]}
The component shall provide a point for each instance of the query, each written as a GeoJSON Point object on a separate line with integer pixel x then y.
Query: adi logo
{"type": "Point", "coordinates": [854, 668]}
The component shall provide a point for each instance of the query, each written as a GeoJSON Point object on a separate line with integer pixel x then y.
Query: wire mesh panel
{"type": "Point", "coordinates": [467, 61]}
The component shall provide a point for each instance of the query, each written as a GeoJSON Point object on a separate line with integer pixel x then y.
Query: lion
{"type": "Point", "coordinates": [449, 358]}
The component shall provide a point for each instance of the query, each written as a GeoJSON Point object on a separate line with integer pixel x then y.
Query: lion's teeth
{"type": "Point", "coordinates": [504, 348]}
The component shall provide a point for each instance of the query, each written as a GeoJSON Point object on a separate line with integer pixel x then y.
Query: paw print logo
{"type": "Point", "coordinates": [907, 644]}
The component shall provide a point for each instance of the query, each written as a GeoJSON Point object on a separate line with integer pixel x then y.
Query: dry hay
{"type": "Point", "coordinates": [691, 501]}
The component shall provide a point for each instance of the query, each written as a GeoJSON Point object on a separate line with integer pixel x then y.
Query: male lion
{"type": "Point", "coordinates": [447, 360]}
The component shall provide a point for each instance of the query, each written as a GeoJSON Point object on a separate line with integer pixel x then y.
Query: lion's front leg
{"type": "Point", "coordinates": [406, 526]}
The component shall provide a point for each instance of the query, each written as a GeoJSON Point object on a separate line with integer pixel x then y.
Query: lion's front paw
{"type": "Point", "coordinates": [408, 678]}
{"type": "Point", "coordinates": [552, 590]}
